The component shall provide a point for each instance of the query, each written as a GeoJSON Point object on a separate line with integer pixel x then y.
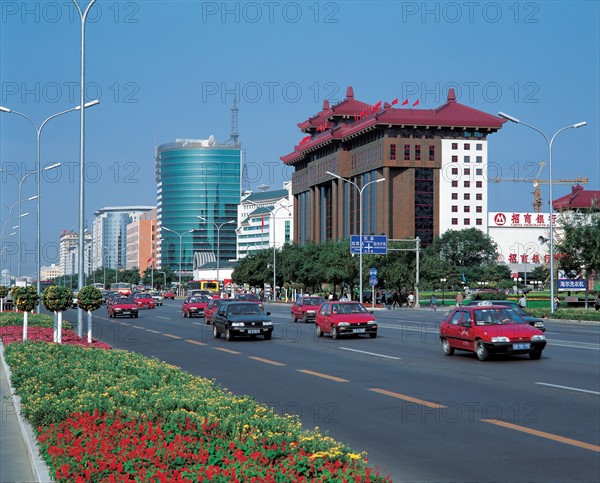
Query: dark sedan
{"type": "Point", "coordinates": [241, 318]}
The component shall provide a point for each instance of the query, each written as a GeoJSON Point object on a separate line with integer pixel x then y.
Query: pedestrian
{"type": "Point", "coordinates": [433, 302]}
{"type": "Point", "coordinates": [556, 302]}
{"type": "Point", "coordinates": [523, 301]}
{"type": "Point", "coordinates": [411, 301]}
{"type": "Point", "coordinates": [395, 301]}
{"type": "Point", "coordinates": [459, 299]}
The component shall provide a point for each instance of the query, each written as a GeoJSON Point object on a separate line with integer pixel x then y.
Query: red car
{"type": "Point", "coordinates": [122, 306]}
{"type": "Point", "coordinates": [306, 308]}
{"type": "Point", "coordinates": [491, 329]}
{"type": "Point", "coordinates": [345, 318]}
{"type": "Point", "coordinates": [211, 308]}
{"type": "Point", "coordinates": [168, 294]}
{"type": "Point", "coordinates": [249, 297]}
{"type": "Point", "coordinates": [194, 306]}
{"type": "Point", "coordinates": [144, 300]}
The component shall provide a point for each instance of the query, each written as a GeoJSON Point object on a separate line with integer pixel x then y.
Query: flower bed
{"type": "Point", "coordinates": [12, 334]}
{"type": "Point", "coordinates": [119, 416]}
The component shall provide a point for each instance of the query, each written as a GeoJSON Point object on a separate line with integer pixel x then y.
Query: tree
{"type": "Point", "coordinates": [578, 249]}
{"type": "Point", "coordinates": [26, 298]}
{"type": "Point", "coordinates": [3, 294]}
{"type": "Point", "coordinates": [89, 299]}
{"type": "Point", "coordinates": [57, 299]}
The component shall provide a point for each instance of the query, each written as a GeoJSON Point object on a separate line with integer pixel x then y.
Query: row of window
{"type": "Point", "coordinates": [467, 146]}
{"type": "Point", "coordinates": [467, 184]}
{"type": "Point", "coordinates": [467, 221]}
{"type": "Point", "coordinates": [417, 152]}
{"type": "Point", "coordinates": [467, 196]}
{"type": "Point", "coordinates": [467, 159]}
{"type": "Point", "coordinates": [478, 171]}
{"type": "Point", "coordinates": [467, 209]}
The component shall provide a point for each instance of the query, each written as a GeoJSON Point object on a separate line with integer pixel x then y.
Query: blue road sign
{"type": "Point", "coordinates": [572, 284]}
{"type": "Point", "coordinates": [373, 281]}
{"type": "Point", "coordinates": [371, 244]}
{"type": "Point", "coordinates": [373, 272]}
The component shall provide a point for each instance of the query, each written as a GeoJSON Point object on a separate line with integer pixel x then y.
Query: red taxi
{"type": "Point", "coordinates": [194, 306]}
{"type": "Point", "coordinates": [345, 318]}
{"type": "Point", "coordinates": [492, 329]}
{"type": "Point", "coordinates": [169, 294]}
{"type": "Point", "coordinates": [211, 308]}
{"type": "Point", "coordinates": [249, 297]}
{"type": "Point", "coordinates": [144, 300]}
{"type": "Point", "coordinates": [122, 306]}
{"type": "Point", "coordinates": [306, 308]}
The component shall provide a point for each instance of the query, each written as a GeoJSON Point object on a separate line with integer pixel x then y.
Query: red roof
{"type": "Point", "coordinates": [322, 130]}
{"type": "Point", "coordinates": [579, 198]}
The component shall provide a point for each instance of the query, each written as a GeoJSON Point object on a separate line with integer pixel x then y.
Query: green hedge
{"type": "Point", "coordinates": [567, 313]}
{"type": "Point", "coordinates": [33, 320]}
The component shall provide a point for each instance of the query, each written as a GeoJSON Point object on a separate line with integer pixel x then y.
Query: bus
{"type": "Point", "coordinates": [121, 287]}
{"type": "Point", "coordinates": [210, 285]}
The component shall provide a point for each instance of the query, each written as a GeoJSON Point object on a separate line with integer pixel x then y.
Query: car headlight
{"type": "Point", "coordinates": [268, 322]}
{"type": "Point", "coordinates": [117, 309]}
{"type": "Point", "coordinates": [538, 337]}
{"type": "Point", "coordinates": [343, 324]}
{"type": "Point", "coordinates": [310, 311]}
{"type": "Point", "coordinates": [237, 324]}
{"type": "Point", "coordinates": [500, 339]}
{"type": "Point", "coordinates": [538, 324]}
{"type": "Point", "coordinates": [372, 322]}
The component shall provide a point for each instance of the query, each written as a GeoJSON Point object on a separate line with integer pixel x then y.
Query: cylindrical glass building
{"type": "Point", "coordinates": [197, 177]}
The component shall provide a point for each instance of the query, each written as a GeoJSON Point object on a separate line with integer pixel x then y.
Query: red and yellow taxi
{"type": "Point", "coordinates": [306, 308]}
{"type": "Point", "coordinates": [193, 306]}
{"type": "Point", "coordinates": [491, 329]}
{"type": "Point", "coordinates": [345, 318]}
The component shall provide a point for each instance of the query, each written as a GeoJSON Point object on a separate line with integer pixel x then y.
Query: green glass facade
{"type": "Point", "coordinates": [196, 180]}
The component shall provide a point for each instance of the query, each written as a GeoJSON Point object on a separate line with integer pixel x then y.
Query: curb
{"type": "Point", "coordinates": [38, 466]}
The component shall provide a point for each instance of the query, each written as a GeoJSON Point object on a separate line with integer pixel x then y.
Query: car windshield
{"type": "Point", "coordinates": [123, 300]}
{"type": "Point", "coordinates": [197, 300]}
{"type": "Point", "coordinates": [497, 317]}
{"type": "Point", "coordinates": [353, 308]}
{"type": "Point", "coordinates": [245, 309]}
{"type": "Point", "coordinates": [313, 301]}
{"type": "Point", "coordinates": [248, 296]}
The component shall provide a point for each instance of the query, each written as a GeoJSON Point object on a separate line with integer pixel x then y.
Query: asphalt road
{"type": "Point", "coordinates": [418, 414]}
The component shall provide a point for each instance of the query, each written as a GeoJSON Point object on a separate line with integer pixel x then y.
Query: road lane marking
{"type": "Point", "coordinates": [568, 388]}
{"type": "Point", "coordinates": [172, 336]}
{"type": "Point", "coordinates": [198, 323]}
{"type": "Point", "coordinates": [160, 317]}
{"type": "Point", "coordinates": [191, 341]}
{"type": "Point", "coordinates": [229, 351]}
{"type": "Point", "coordinates": [574, 345]}
{"type": "Point", "coordinates": [324, 376]}
{"type": "Point", "coordinates": [397, 395]}
{"type": "Point", "coordinates": [370, 353]}
{"type": "Point", "coordinates": [542, 434]}
{"type": "Point", "coordinates": [266, 361]}
{"type": "Point", "coordinates": [154, 331]}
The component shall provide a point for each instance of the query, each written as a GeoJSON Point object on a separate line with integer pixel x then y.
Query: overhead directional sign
{"type": "Point", "coordinates": [372, 244]}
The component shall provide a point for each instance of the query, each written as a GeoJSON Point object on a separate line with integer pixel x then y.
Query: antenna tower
{"type": "Point", "coordinates": [245, 180]}
{"type": "Point", "coordinates": [234, 122]}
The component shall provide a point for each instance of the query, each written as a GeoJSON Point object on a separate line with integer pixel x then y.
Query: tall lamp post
{"type": "Point", "coordinates": [550, 141]}
{"type": "Point", "coordinates": [443, 281]}
{"type": "Point", "coordinates": [218, 226]}
{"type": "Point", "coordinates": [38, 134]}
{"type": "Point", "coordinates": [165, 279]}
{"type": "Point", "coordinates": [360, 209]}
{"type": "Point", "coordinates": [180, 235]}
{"type": "Point", "coordinates": [47, 168]}
{"type": "Point", "coordinates": [272, 227]}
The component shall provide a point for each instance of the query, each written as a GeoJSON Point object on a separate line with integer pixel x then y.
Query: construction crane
{"type": "Point", "coordinates": [537, 192]}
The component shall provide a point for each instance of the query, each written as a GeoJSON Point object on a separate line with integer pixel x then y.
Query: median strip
{"type": "Point", "coordinates": [266, 361]}
{"type": "Point", "coordinates": [542, 434]}
{"type": "Point", "coordinates": [397, 395]}
{"type": "Point", "coordinates": [324, 376]}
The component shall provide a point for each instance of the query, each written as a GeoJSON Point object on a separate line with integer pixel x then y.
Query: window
{"type": "Point", "coordinates": [467, 159]}
{"type": "Point", "coordinates": [431, 152]}
{"type": "Point", "coordinates": [454, 210]}
{"type": "Point", "coordinates": [417, 152]}
{"type": "Point", "coordinates": [467, 171]}
{"type": "Point", "coordinates": [478, 209]}
{"type": "Point", "coordinates": [479, 159]}
{"type": "Point", "coordinates": [454, 170]}
{"type": "Point", "coordinates": [467, 184]}
{"type": "Point", "coordinates": [455, 159]}
{"type": "Point", "coordinates": [406, 152]}
{"type": "Point", "coordinates": [479, 197]}
{"type": "Point", "coordinates": [454, 196]}
{"type": "Point", "coordinates": [455, 221]}
{"type": "Point", "coordinates": [478, 221]}
{"type": "Point", "coordinates": [467, 146]}
{"type": "Point", "coordinates": [455, 184]}
{"type": "Point", "coordinates": [467, 209]}
{"type": "Point", "coordinates": [479, 172]}
{"type": "Point", "coordinates": [467, 221]}
{"type": "Point", "coordinates": [478, 184]}
{"type": "Point", "coordinates": [454, 145]}
{"type": "Point", "coordinates": [392, 152]}
{"type": "Point", "coordinates": [467, 196]}
{"type": "Point", "coordinates": [479, 147]}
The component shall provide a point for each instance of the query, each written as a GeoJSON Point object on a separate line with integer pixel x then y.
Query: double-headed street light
{"type": "Point", "coordinates": [180, 235]}
{"type": "Point", "coordinates": [550, 141]}
{"type": "Point", "coordinates": [38, 171]}
{"type": "Point", "coordinates": [360, 209]}
{"type": "Point", "coordinates": [218, 226]}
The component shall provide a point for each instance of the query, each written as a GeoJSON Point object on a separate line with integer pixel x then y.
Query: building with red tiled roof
{"type": "Point", "coordinates": [434, 162]}
{"type": "Point", "coordinates": [578, 199]}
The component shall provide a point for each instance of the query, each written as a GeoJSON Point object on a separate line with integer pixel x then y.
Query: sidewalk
{"type": "Point", "coordinates": [17, 442]}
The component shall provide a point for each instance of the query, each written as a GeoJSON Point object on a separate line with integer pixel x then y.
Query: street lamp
{"type": "Point", "coordinates": [38, 134]}
{"type": "Point", "coordinates": [360, 208]}
{"type": "Point", "coordinates": [272, 227]}
{"type": "Point", "coordinates": [180, 235]}
{"type": "Point", "coordinates": [550, 142]}
{"type": "Point", "coordinates": [165, 279]}
{"type": "Point", "coordinates": [47, 168]}
{"type": "Point", "coordinates": [218, 226]}
{"type": "Point", "coordinates": [443, 280]}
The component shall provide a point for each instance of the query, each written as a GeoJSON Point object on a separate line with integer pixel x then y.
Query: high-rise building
{"type": "Point", "coordinates": [110, 234]}
{"type": "Point", "coordinates": [265, 220]}
{"type": "Point", "coordinates": [142, 242]}
{"type": "Point", "coordinates": [197, 178]}
{"type": "Point", "coordinates": [434, 162]}
{"type": "Point", "coordinates": [69, 252]}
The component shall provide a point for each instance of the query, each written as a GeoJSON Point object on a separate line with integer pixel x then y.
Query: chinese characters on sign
{"type": "Point", "coordinates": [571, 284]}
{"type": "Point", "coordinates": [524, 220]}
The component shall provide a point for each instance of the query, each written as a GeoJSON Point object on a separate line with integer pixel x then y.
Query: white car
{"type": "Point", "coordinates": [158, 298]}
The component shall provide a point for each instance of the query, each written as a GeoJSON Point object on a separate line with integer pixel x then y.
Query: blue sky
{"type": "Point", "coordinates": [167, 69]}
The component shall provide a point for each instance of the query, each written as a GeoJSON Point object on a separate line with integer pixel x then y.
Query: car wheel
{"type": "Point", "coordinates": [481, 351]}
{"type": "Point", "coordinates": [448, 351]}
{"type": "Point", "coordinates": [293, 317]}
{"type": "Point", "coordinates": [131, 316]}
{"type": "Point", "coordinates": [216, 333]}
{"type": "Point", "coordinates": [535, 354]}
{"type": "Point", "coordinates": [334, 333]}
{"type": "Point", "coordinates": [373, 335]}
{"type": "Point", "coordinates": [136, 315]}
{"type": "Point", "coordinates": [268, 335]}
{"type": "Point", "coordinates": [228, 335]}
{"type": "Point", "coordinates": [318, 330]}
